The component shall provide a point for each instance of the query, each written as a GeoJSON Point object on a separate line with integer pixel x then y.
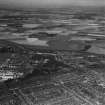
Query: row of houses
{"type": "Point", "coordinates": [9, 75]}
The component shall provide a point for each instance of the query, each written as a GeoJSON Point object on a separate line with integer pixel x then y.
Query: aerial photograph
{"type": "Point", "coordinates": [52, 52]}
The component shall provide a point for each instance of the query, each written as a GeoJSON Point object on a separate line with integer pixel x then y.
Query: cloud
{"type": "Point", "coordinates": [51, 2]}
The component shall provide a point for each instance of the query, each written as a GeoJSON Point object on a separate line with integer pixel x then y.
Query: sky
{"type": "Point", "coordinates": [36, 3]}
